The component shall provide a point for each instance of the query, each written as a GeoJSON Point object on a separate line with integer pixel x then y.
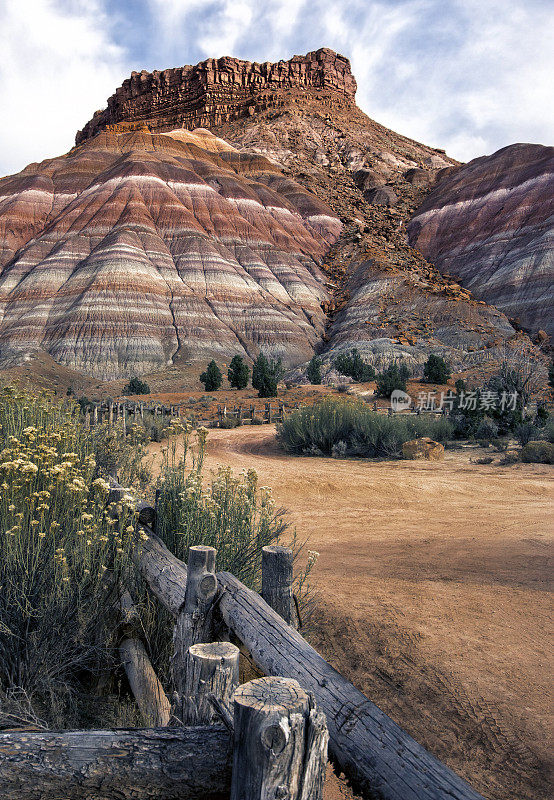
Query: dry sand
{"type": "Point", "coordinates": [433, 581]}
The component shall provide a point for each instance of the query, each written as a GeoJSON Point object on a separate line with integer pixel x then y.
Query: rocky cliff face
{"type": "Point", "coordinates": [490, 223]}
{"type": "Point", "coordinates": [140, 250]}
{"type": "Point", "coordinates": [219, 90]}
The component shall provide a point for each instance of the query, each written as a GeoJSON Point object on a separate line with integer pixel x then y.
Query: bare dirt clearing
{"type": "Point", "coordinates": [435, 597]}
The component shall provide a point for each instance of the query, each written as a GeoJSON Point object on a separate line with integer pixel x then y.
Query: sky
{"type": "Point", "coordinates": [467, 75]}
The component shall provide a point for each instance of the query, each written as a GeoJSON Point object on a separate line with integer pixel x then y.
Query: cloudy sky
{"type": "Point", "coordinates": [467, 75]}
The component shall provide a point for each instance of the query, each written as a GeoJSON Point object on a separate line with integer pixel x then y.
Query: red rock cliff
{"type": "Point", "coordinates": [219, 90]}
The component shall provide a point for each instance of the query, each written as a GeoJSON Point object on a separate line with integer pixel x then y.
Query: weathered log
{"type": "Point", "coordinates": [142, 764]}
{"type": "Point", "coordinates": [165, 574]}
{"type": "Point", "coordinates": [147, 690]}
{"type": "Point", "coordinates": [370, 747]}
{"type": "Point", "coordinates": [274, 754]}
{"type": "Point", "coordinates": [277, 562]}
{"type": "Point", "coordinates": [211, 674]}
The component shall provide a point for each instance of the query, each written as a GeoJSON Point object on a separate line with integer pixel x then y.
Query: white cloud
{"type": "Point", "coordinates": [57, 66]}
{"type": "Point", "coordinates": [467, 75]}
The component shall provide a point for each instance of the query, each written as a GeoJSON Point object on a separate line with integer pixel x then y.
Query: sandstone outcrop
{"type": "Point", "coordinates": [219, 90]}
{"type": "Point", "coordinates": [490, 224]}
{"type": "Point", "coordinates": [423, 448]}
{"type": "Point", "coordinates": [139, 250]}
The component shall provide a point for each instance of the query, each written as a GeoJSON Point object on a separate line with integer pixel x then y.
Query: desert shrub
{"type": "Point", "coordinates": [121, 456]}
{"type": "Point", "coordinates": [526, 431]}
{"type": "Point", "coordinates": [436, 370]}
{"type": "Point", "coordinates": [314, 371]}
{"type": "Point", "coordinates": [538, 453]}
{"type": "Point", "coordinates": [212, 377]}
{"type": "Point", "coordinates": [229, 422]}
{"type": "Point", "coordinates": [487, 430]}
{"type": "Point", "coordinates": [61, 555]}
{"type": "Point", "coordinates": [238, 373]}
{"type": "Point", "coordinates": [136, 386]}
{"type": "Point", "coordinates": [395, 376]}
{"type": "Point", "coordinates": [353, 365]}
{"type": "Point", "coordinates": [548, 429]}
{"type": "Point", "coordinates": [266, 375]}
{"type": "Point", "coordinates": [352, 429]}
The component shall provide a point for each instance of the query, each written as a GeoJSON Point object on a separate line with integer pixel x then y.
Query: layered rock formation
{"type": "Point", "coordinates": [150, 244]}
{"type": "Point", "coordinates": [490, 223]}
{"type": "Point", "coordinates": [139, 250]}
{"type": "Point", "coordinates": [219, 90]}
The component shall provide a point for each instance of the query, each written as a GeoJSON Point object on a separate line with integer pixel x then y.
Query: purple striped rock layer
{"type": "Point", "coordinates": [139, 250]}
{"type": "Point", "coordinates": [490, 223]}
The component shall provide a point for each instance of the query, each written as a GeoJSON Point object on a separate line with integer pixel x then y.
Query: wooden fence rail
{"type": "Point", "coordinates": [371, 748]}
{"type": "Point", "coordinates": [151, 764]}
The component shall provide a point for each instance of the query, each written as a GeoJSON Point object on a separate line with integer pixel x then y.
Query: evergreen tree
{"type": "Point", "coordinates": [314, 370]}
{"type": "Point", "coordinates": [136, 386]}
{"type": "Point", "coordinates": [266, 375]}
{"type": "Point", "coordinates": [238, 373]}
{"type": "Point", "coordinates": [394, 377]}
{"type": "Point", "coordinates": [436, 370]}
{"type": "Point", "coordinates": [352, 364]}
{"type": "Point", "coordinates": [212, 377]}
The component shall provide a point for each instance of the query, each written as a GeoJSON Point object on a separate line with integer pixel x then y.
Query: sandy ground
{"type": "Point", "coordinates": [433, 597]}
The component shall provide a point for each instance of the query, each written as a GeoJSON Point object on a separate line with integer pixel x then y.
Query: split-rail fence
{"type": "Point", "coordinates": [211, 738]}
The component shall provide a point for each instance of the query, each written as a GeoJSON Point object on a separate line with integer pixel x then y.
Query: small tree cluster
{"type": "Point", "coordinates": [136, 386]}
{"type": "Point", "coordinates": [395, 376]}
{"type": "Point", "coordinates": [212, 377]}
{"type": "Point", "coordinates": [266, 375]}
{"type": "Point", "coordinates": [353, 365]}
{"type": "Point", "coordinates": [314, 371]}
{"type": "Point", "coordinates": [238, 373]}
{"type": "Point", "coordinates": [436, 370]}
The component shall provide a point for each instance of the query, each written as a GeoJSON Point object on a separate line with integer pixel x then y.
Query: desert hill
{"type": "Point", "coordinates": [284, 227]}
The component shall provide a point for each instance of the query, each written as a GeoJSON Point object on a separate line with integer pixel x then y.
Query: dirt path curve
{"type": "Point", "coordinates": [435, 601]}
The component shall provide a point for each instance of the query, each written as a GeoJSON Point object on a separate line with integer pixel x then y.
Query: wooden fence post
{"type": "Point", "coordinates": [211, 673]}
{"type": "Point", "coordinates": [193, 621]}
{"type": "Point", "coordinates": [124, 419]}
{"type": "Point", "coordinates": [87, 420]}
{"type": "Point", "coordinates": [110, 413]}
{"type": "Point", "coordinates": [95, 415]}
{"type": "Point", "coordinates": [280, 742]}
{"type": "Point", "coordinates": [277, 580]}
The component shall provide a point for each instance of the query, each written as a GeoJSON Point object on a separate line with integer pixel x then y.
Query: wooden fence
{"type": "Point", "coordinates": [127, 412]}
{"type": "Point", "coordinates": [212, 738]}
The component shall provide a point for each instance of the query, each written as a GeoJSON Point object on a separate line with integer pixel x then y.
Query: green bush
{"type": "Point", "coordinates": [266, 375]}
{"type": "Point", "coordinates": [394, 377]}
{"type": "Point", "coordinates": [314, 371]}
{"type": "Point", "coordinates": [61, 555]}
{"type": "Point", "coordinates": [538, 453]}
{"type": "Point", "coordinates": [238, 373]}
{"type": "Point", "coordinates": [436, 370]}
{"type": "Point", "coordinates": [212, 377]}
{"type": "Point", "coordinates": [136, 386]}
{"type": "Point", "coordinates": [343, 427]}
{"type": "Point", "coordinates": [354, 366]}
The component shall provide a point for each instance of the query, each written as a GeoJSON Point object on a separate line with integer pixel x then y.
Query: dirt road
{"type": "Point", "coordinates": [434, 596]}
